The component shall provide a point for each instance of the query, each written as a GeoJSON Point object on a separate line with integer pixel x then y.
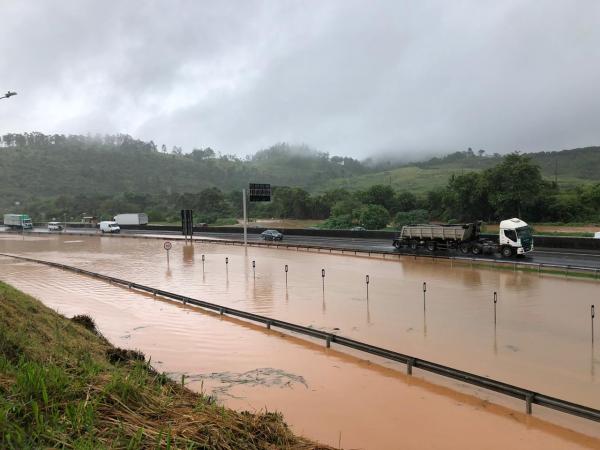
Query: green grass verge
{"type": "Point", "coordinates": [58, 389]}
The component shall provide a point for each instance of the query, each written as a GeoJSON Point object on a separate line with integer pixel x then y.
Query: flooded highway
{"type": "Point", "coordinates": [541, 339]}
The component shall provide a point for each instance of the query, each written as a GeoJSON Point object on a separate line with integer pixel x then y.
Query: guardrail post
{"type": "Point", "coordinates": [528, 403]}
{"type": "Point", "coordinates": [328, 341]}
{"type": "Point", "coordinates": [409, 365]}
{"type": "Point", "coordinates": [268, 324]}
{"type": "Point", "coordinates": [221, 311]}
{"type": "Point", "coordinates": [567, 272]}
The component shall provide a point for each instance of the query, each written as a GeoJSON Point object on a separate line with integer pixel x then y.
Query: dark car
{"type": "Point", "coordinates": [358, 229]}
{"type": "Point", "coordinates": [271, 235]}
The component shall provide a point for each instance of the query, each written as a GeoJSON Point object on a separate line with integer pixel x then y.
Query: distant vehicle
{"type": "Point", "coordinates": [358, 229]}
{"type": "Point", "coordinates": [271, 235]}
{"type": "Point", "coordinates": [18, 221]}
{"type": "Point", "coordinates": [131, 219]}
{"type": "Point", "coordinates": [109, 226]}
{"type": "Point", "coordinates": [55, 226]}
{"type": "Point", "coordinates": [514, 238]}
{"type": "Point", "coordinates": [597, 235]}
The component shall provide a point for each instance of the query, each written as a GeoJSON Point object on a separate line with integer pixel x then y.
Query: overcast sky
{"type": "Point", "coordinates": [351, 78]}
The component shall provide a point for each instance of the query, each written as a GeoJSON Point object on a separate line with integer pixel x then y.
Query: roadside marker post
{"type": "Point", "coordinates": [323, 278]}
{"type": "Point", "coordinates": [367, 282]}
{"type": "Point", "coordinates": [286, 271]}
{"type": "Point", "coordinates": [495, 301]}
{"type": "Point", "coordinates": [593, 313]}
{"type": "Point", "coordinates": [424, 291]}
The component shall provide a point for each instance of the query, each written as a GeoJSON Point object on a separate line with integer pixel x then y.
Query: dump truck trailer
{"type": "Point", "coordinates": [514, 238]}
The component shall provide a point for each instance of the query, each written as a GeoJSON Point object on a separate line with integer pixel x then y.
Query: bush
{"type": "Point", "coordinates": [373, 217]}
{"type": "Point", "coordinates": [342, 222]}
{"type": "Point", "coordinates": [411, 217]}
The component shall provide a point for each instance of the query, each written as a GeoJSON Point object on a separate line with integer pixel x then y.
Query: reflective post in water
{"type": "Point", "coordinates": [593, 314]}
{"type": "Point", "coordinates": [254, 268]}
{"type": "Point", "coordinates": [424, 290]}
{"type": "Point", "coordinates": [495, 301]}
{"type": "Point", "coordinates": [367, 282]}
{"type": "Point", "coordinates": [286, 271]}
{"type": "Point", "coordinates": [323, 278]}
{"type": "Point", "coordinates": [203, 263]}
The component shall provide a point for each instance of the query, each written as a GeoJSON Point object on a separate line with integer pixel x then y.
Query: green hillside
{"type": "Point", "coordinates": [570, 168]}
{"type": "Point", "coordinates": [34, 165]}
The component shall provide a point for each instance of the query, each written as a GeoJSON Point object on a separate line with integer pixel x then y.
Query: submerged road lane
{"type": "Point", "coordinates": [574, 258]}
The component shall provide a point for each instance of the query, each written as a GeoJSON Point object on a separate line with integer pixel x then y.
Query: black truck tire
{"type": "Point", "coordinates": [506, 251]}
{"type": "Point", "coordinates": [431, 246]}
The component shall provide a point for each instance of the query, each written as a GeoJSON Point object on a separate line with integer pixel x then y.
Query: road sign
{"type": "Point", "coordinates": [167, 245]}
{"type": "Point", "coordinates": [260, 192]}
{"type": "Point", "coordinates": [187, 222]}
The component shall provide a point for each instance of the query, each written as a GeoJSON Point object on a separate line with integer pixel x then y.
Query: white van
{"type": "Point", "coordinates": [55, 226]}
{"type": "Point", "coordinates": [109, 226]}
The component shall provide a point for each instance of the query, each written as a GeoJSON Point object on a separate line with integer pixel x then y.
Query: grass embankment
{"type": "Point", "coordinates": [64, 386]}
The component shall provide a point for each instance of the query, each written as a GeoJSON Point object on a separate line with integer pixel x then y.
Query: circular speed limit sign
{"type": "Point", "coordinates": [167, 245]}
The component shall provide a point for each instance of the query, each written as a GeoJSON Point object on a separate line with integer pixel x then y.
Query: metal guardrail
{"type": "Point", "coordinates": [530, 397]}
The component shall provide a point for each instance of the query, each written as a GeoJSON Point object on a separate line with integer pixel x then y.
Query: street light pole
{"type": "Point", "coordinates": [8, 94]}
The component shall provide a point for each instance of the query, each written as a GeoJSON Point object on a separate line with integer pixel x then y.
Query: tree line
{"type": "Point", "coordinates": [512, 188]}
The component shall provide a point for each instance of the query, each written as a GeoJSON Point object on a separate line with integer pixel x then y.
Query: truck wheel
{"type": "Point", "coordinates": [397, 244]}
{"type": "Point", "coordinates": [506, 251]}
{"type": "Point", "coordinates": [431, 246]}
{"type": "Point", "coordinates": [414, 245]}
{"type": "Point", "coordinates": [476, 250]}
{"type": "Point", "coordinates": [464, 248]}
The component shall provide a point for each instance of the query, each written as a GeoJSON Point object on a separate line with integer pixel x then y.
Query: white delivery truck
{"type": "Point", "coordinates": [109, 226]}
{"type": "Point", "coordinates": [514, 238]}
{"type": "Point", "coordinates": [131, 219]}
{"type": "Point", "coordinates": [18, 221]}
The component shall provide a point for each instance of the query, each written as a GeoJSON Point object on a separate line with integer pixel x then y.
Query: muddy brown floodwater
{"type": "Point", "coordinates": [541, 340]}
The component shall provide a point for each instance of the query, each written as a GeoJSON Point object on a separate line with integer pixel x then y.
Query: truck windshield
{"type": "Point", "coordinates": [524, 233]}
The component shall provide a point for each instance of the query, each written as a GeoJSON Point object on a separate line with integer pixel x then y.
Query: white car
{"type": "Point", "coordinates": [55, 226]}
{"type": "Point", "coordinates": [109, 226]}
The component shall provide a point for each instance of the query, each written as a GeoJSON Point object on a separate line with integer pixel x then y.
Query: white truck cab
{"type": "Point", "coordinates": [515, 237]}
{"type": "Point", "coordinates": [109, 226]}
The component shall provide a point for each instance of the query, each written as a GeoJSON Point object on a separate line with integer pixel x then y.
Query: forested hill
{"type": "Point", "coordinates": [34, 164]}
{"type": "Point", "coordinates": [569, 167]}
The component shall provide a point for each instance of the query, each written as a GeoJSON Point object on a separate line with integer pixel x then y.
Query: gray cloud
{"type": "Point", "coordinates": [348, 77]}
